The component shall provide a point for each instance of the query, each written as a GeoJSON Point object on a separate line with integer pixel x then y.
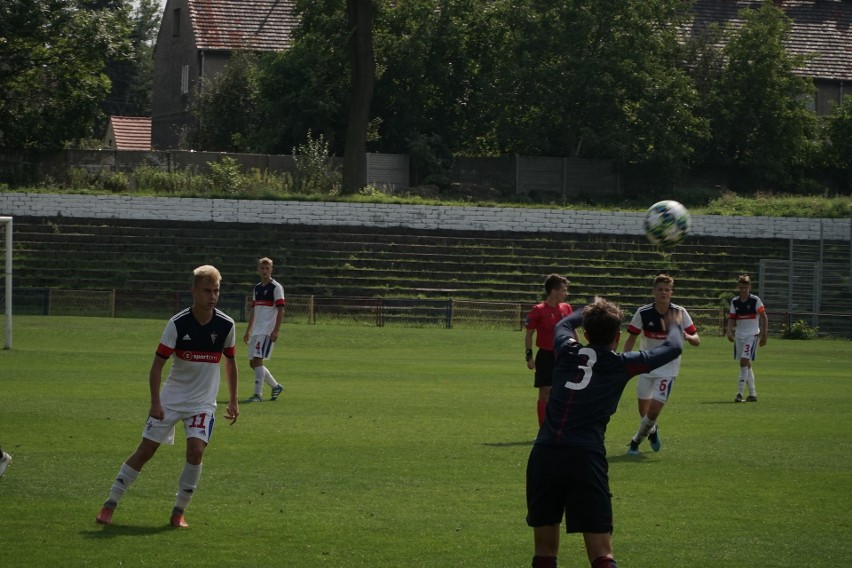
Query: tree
{"type": "Point", "coordinates": [132, 75]}
{"type": "Point", "coordinates": [52, 79]}
{"type": "Point", "coordinates": [435, 89]}
{"type": "Point", "coordinates": [840, 142]}
{"type": "Point", "coordinates": [227, 108]}
{"type": "Point", "coordinates": [761, 130]}
{"type": "Point", "coordinates": [362, 77]}
{"type": "Point", "coordinates": [304, 88]}
{"type": "Point", "coordinates": [589, 77]}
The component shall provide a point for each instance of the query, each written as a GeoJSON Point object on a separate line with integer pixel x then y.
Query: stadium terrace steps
{"type": "Point", "coordinates": [156, 257]}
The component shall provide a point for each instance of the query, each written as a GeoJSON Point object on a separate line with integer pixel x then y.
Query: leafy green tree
{"type": "Point", "coordinates": [595, 78]}
{"type": "Point", "coordinates": [435, 84]}
{"type": "Point", "coordinates": [131, 74]}
{"type": "Point", "coordinates": [761, 130]}
{"type": "Point", "coordinates": [228, 110]}
{"type": "Point", "coordinates": [52, 60]}
{"type": "Point", "coordinates": [305, 88]}
{"type": "Point", "coordinates": [840, 142]}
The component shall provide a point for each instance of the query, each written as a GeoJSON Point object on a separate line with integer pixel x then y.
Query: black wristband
{"type": "Point", "coordinates": [529, 354]}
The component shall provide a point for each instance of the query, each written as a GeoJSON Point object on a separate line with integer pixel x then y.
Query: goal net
{"type": "Point", "coordinates": [97, 303]}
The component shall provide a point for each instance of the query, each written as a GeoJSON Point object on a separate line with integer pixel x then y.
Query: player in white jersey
{"type": "Point", "coordinates": [267, 313]}
{"type": "Point", "coordinates": [5, 460]}
{"type": "Point", "coordinates": [748, 326]}
{"type": "Point", "coordinates": [197, 337]}
{"type": "Point", "coordinates": [653, 388]}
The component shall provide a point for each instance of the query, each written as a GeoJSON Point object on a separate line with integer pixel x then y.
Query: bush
{"type": "Point", "coordinates": [225, 176]}
{"type": "Point", "coordinates": [800, 330]}
{"type": "Point", "coordinates": [315, 171]}
{"type": "Point", "coordinates": [148, 178]}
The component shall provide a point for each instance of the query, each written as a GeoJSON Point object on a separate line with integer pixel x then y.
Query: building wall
{"type": "Point", "coordinates": [424, 217]}
{"type": "Point", "coordinates": [174, 49]}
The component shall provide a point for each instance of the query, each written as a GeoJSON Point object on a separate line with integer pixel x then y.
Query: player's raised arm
{"type": "Point", "coordinates": [564, 330]}
{"type": "Point", "coordinates": [637, 362]}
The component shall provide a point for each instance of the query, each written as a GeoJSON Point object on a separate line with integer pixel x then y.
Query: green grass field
{"type": "Point", "coordinates": [407, 447]}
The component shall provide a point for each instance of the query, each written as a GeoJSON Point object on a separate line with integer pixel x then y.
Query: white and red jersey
{"type": "Point", "coordinates": [745, 314]}
{"type": "Point", "coordinates": [652, 325]}
{"type": "Point", "coordinates": [193, 381]}
{"type": "Point", "coordinates": [265, 302]}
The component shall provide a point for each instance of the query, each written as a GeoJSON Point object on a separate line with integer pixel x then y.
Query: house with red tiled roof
{"type": "Point", "coordinates": [128, 133]}
{"type": "Point", "coordinates": [821, 30]}
{"type": "Point", "coordinates": [195, 42]}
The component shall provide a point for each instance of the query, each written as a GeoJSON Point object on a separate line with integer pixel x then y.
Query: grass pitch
{"type": "Point", "coordinates": [407, 447]}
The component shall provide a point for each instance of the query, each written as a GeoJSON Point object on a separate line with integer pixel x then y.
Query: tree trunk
{"type": "Point", "coordinates": [362, 78]}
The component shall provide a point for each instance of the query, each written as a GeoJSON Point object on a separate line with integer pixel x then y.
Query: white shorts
{"type": "Point", "coordinates": [745, 347]}
{"type": "Point", "coordinates": [196, 425]}
{"type": "Point", "coordinates": [658, 388]}
{"type": "Point", "coordinates": [260, 347]}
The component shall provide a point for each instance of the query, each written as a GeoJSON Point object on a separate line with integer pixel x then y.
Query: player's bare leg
{"type": "Point", "coordinates": [599, 550]}
{"type": "Point", "coordinates": [546, 540]}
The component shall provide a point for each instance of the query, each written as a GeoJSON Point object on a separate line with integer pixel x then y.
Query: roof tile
{"type": "Point", "coordinates": [254, 25]}
{"type": "Point", "coordinates": [820, 28]}
{"type": "Point", "coordinates": [131, 132]}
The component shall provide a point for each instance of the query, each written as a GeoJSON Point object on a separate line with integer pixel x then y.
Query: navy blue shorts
{"type": "Point", "coordinates": [569, 482]}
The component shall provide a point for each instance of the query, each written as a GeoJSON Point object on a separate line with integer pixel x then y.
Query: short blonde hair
{"type": "Point", "coordinates": [744, 279]}
{"type": "Point", "coordinates": [663, 278]}
{"type": "Point", "coordinates": [265, 260]}
{"type": "Point", "coordinates": [205, 272]}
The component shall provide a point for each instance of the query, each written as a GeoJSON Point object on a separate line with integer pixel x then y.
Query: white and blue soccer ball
{"type": "Point", "coordinates": [667, 222]}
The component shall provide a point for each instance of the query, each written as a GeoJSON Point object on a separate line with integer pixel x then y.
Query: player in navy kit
{"type": "Point", "coordinates": [541, 321]}
{"type": "Point", "coordinates": [267, 313]}
{"type": "Point", "coordinates": [653, 389]}
{"type": "Point", "coordinates": [567, 467]}
{"type": "Point", "coordinates": [748, 316]}
{"type": "Point", "coordinates": [197, 337]}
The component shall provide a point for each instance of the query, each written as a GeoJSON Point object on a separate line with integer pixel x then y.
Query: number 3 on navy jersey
{"type": "Point", "coordinates": [588, 358]}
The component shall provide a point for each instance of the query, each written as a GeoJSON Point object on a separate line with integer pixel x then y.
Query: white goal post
{"type": "Point", "coordinates": [7, 221]}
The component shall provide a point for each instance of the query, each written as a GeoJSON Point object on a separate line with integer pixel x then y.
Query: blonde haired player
{"type": "Point", "coordinates": [267, 313]}
{"type": "Point", "coordinates": [653, 388]}
{"type": "Point", "coordinates": [198, 336]}
{"type": "Point", "coordinates": [748, 316]}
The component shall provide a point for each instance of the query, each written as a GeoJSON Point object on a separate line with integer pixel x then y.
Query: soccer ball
{"type": "Point", "coordinates": [666, 223]}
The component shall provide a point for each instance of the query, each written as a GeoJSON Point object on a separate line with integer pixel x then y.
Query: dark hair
{"type": "Point", "coordinates": [602, 321]}
{"type": "Point", "coordinates": [554, 281]}
{"type": "Point", "coordinates": [744, 279]}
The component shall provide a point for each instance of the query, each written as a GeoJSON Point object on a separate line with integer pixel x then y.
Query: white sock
{"type": "Point", "coordinates": [752, 390]}
{"type": "Point", "coordinates": [259, 373]}
{"type": "Point", "coordinates": [645, 427]}
{"type": "Point", "coordinates": [270, 380]}
{"type": "Point", "coordinates": [126, 476]}
{"type": "Point", "coordinates": [186, 485]}
{"type": "Point", "coordinates": [743, 378]}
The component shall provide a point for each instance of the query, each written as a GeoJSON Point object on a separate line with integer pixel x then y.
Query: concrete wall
{"type": "Point", "coordinates": [410, 216]}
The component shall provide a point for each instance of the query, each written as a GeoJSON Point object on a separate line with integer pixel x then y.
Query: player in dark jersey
{"type": "Point", "coordinates": [540, 321]}
{"type": "Point", "coordinates": [567, 467]}
{"type": "Point", "coordinates": [197, 337]}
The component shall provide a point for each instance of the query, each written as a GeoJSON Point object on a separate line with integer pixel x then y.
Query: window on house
{"type": "Point", "coordinates": [184, 79]}
{"type": "Point", "coordinates": [176, 22]}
